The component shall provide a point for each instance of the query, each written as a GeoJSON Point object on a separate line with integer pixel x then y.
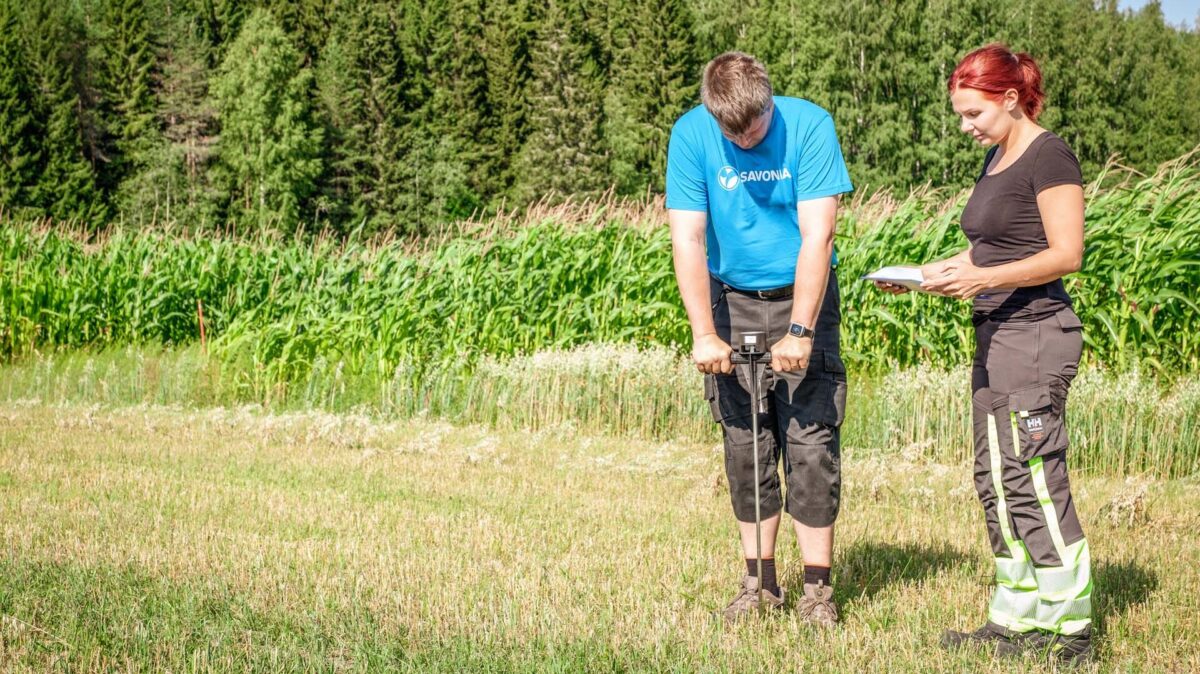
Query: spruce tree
{"type": "Point", "coordinates": [171, 180]}
{"type": "Point", "coordinates": [507, 34]}
{"type": "Point", "coordinates": [942, 153]}
{"type": "Point", "coordinates": [127, 65]}
{"type": "Point", "coordinates": [564, 153]}
{"type": "Point", "coordinates": [308, 22]}
{"type": "Point", "coordinates": [655, 76]}
{"type": "Point", "coordinates": [270, 147]}
{"type": "Point", "coordinates": [459, 112]}
{"type": "Point", "coordinates": [66, 188]}
{"type": "Point", "coordinates": [20, 128]}
{"type": "Point", "coordinates": [361, 76]}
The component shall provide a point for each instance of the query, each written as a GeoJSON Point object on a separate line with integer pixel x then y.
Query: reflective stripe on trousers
{"type": "Point", "coordinates": [1055, 598]}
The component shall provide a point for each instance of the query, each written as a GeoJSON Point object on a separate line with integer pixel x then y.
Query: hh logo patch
{"type": "Point", "coordinates": [1036, 430]}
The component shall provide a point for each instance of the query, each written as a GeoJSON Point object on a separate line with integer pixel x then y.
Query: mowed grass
{"type": "Point", "coordinates": [157, 539]}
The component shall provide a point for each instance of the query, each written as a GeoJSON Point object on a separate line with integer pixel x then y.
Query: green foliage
{"type": "Point", "coordinates": [655, 73]}
{"type": "Point", "coordinates": [564, 153]}
{"type": "Point", "coordinates": [270, 148]}
{"type": "Point", "coordinates": [66, 188]}
{"type": "Point", "coordinates": [128, 62]}
{"type": "Point", "coordinates": [425, 113]}
{"type": "Point", "coordinates": [173, 183]}
{"type": "Point", "coordinates": [506, 39]}
{"type": "Point", "coordinates": [359, 80]}
{"type": "Point", "coordinates": [20, 128]}
{"type": "Point", "coordinates": [277, 308]}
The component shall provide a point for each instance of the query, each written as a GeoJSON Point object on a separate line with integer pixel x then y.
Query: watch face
{"type": "Point", "coordinates": [800, 331]}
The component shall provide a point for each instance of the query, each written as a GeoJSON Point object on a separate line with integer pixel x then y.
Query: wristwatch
{"type": "Point", "coordinates": [798, 330]}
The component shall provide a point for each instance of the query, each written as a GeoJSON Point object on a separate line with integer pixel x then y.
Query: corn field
{"type": "Point", "coordinates": [275, 309]}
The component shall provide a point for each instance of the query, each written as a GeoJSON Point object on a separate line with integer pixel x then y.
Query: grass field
{"type": "Point", "coordinates": [160, 539]}
{"type": "Point", "coordinates": [1120, 423]}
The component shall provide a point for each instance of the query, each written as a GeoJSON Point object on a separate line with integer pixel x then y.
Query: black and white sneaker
{"type": "Point", "coordinates": [1005, 641]}
{"type": "Point", "coordinates": [1067, 649]}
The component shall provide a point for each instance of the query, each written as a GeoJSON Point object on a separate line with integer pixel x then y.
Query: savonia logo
{"type": "Point", "coordinates": [729, 178]}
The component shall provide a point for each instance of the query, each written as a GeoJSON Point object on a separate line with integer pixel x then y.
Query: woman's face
{"type": "Point", "coordinates": [987, 120]}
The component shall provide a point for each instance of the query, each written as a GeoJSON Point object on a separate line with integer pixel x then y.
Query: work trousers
{"type": "Point", "coordinates": [1021, 375]}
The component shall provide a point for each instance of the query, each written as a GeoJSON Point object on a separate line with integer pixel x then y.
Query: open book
{"type": "Point", "coordinates": [909, 277]}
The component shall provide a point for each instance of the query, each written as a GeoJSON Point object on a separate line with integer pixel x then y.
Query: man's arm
{"type": "Point", "coordinates": [709, 351]}
{"type": "Point", "coordinates": [818, 220]}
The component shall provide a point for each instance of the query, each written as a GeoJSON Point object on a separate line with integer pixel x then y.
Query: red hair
{"type": "Point", "coordinates": [994, 69]}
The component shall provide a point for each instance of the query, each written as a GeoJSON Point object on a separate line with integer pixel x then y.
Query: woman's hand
{"type": "Point", "coordinates": [957, 278]}
{"type": "Point", "coordinates": [934, 269]}
{"type": "Point", "coordinates": [891, 288]}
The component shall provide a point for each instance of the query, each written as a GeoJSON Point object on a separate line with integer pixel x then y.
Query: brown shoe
{"type": "Point", "coordinates": [746, 601]}
{"type": "Point", "coordinates": [816, 606]}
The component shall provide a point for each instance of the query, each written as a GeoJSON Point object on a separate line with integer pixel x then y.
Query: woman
{"type": "Point", "coordinates": [1024, 222]}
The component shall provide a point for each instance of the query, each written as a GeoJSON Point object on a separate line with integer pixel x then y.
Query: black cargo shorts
{"type": "Point", "coordinates": [800, 413]}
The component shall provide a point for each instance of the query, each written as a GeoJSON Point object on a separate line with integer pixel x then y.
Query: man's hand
{"type": "Point", "coordinates": [791, 353]}
{"type": "Point", "coordinates": [712, 355]}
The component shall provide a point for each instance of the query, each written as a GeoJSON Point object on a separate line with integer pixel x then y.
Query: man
{"type": "Point", "coordinates": [752, 192]}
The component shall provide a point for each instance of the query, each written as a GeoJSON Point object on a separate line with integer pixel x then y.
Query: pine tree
{"type": "Point", "coordinates": [564, 153]}
{"type": "Point", "coordinates": [361, 77]}
{"type": "Point", "coordinates": [270, 148]}
{"type": "Point", "coordinates": [20, 128]}
{"type": "Point", "coordinates": [66, 188]}
{"type": "Point", "coordinates": [655, 76]}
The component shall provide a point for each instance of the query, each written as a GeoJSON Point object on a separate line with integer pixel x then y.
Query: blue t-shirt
{"type": "Point", "coordinates": [751, 195]}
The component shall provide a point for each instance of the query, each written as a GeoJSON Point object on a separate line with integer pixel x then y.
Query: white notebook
{"type": "Point", "coordinates": [909, 277]}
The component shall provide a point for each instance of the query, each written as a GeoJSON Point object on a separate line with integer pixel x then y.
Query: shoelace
{"type": "Point", "coordinates": [748, 596]}
{"type": "Point", "coordinates": [808, 607]}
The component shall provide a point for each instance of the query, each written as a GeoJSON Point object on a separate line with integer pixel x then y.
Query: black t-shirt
{"type": "Point", "coordinates": [1003, 224]}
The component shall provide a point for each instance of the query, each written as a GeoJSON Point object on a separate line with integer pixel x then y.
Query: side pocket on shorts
{"type": "Point", "coordinates": [727, 400]}
{"type": "Point", "coordinates": [1037, 422]}
{"type": "Point", "coordinates": [820, 397]}
{"type": "Point", "coordinates": [836, 369]}
{"type": "Point", "coordinates": [710, 395]}
{"type": "Point", "coordinates": [1069, 320]}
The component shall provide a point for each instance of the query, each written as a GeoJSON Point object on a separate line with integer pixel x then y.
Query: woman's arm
{"type": "Point", "coordinates": [1061, 209]}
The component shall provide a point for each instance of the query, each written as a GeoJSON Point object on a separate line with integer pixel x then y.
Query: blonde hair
{"type": "Point", "coordinates": [736, 90]}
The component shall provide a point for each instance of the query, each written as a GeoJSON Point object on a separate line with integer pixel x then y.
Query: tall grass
{"type": "Point", "coordinates": [276, 309]}
{"type": "Point", "coordinates": [1119, 423]}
